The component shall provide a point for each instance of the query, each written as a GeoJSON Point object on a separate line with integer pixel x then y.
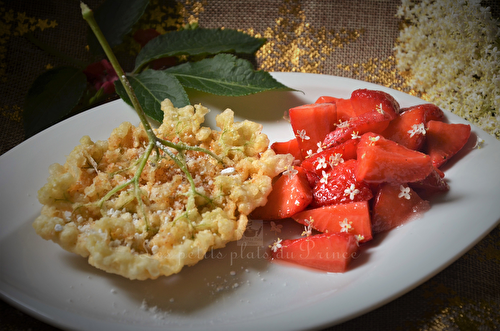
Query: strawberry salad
{"type": "Point", "coordinates": [363, 166]}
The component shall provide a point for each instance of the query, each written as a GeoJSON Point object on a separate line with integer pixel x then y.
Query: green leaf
{"type": "Point", "coordinates": [197, 42]}
{"type": "Point", "coordinates": [151, 88]}
{"type": "Point", "coordinates": [51, 97]}
{"type": "Point", "coordinates": [115, 18]}
{"type": "Point", "coordinates": [225, 75]}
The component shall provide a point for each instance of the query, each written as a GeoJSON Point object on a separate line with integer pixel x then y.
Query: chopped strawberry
{"type": "Point", "coordinates": [431, 112]}
{"type": "Point", "coordinates": [351, 218]}
{"type": "Point", "coordinates": [364, 100]}
{"type": "Point", "coordinates": [339, 185]}
{"type": "Point", "coordinates": [311, 123]}
{"type": "Point", "coordinates": [288, 147]}
{"type": "Point", "coordinates": [326, 99]}
{"type": "Point", "coordinates": [433, 183]}
{"type": "Point", "coordinates": [383, 160]}
{"type": "Point", "coordinates": [445, 140]}
{"type": "Point", "coordinates": [331, 157]}
{"type": "Point", "coordinates": [344, 107]}
{"type": "Point", "coordinates": [408, 129]}
{"type": "Point", "coordinates": [394, 205]}
{"type": "Point", "coordinates": [372, 121]}
{"type": "Point", "coordinates": [328, 252]}
{"type": "Point", "coordinates": [291, 194]}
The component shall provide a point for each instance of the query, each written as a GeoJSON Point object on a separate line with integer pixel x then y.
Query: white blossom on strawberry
{"type": "Point", "coordinates": [335, 160]}
{"type": "Point", "coordinates": [405, 192]}
{"type": "Point", "coordinates": [345, 225]}
{"type": "Point", "coordinates": [344, 124]}
{"type": "Point", "coordinates": [320, 147]}
{"type": "Point", "coordinates": [324, 177]}
{"type": "Point", "coordinates": [359, 238]}
{"type": "Point", "coordinates": [302, 135]}
{"type": "Point", "coordinates": [417, 129]}
{"type": "Point", "coordinates": [351, 191]}
{"type": "Point", "coordinates": [309, 153]}
{"type": "Point", "coordinates": [321, 163]}
{"type": "Point", "coordinates": [276, 245]}
{"type": "Point", "coordinates": [374, 138]}
{"type": "Point", "coordinates": [379, 109]}
{"type": "Point", "coordinates": [355, 135]}
{"type": "Point", "coordinates": [290, 172]}
{"type": "Point", "coordinates": [308, 229]}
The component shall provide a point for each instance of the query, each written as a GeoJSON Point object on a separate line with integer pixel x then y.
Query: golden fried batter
{"type": "Point", "coordinates": [175, 220]}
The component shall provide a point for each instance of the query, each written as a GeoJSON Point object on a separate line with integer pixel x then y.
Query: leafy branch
{"type": "Point", "coordinates": [155, 143]}
{"type": "Point", "coordinates": [211, 67]}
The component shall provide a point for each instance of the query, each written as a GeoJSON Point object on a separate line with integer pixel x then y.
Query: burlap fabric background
{"type": "Point", "coordinates": [353, 38]}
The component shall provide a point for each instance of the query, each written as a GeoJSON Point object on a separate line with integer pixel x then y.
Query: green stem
{"type": "Point", "coordinates": [88, 15]}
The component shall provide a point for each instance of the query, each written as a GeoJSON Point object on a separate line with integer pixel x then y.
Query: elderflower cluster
{"type": "Point", "coordinates": [451, 50]}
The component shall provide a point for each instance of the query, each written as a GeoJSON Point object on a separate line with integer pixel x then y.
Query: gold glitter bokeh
{"type": "Point", "coordinates": [294, 45]}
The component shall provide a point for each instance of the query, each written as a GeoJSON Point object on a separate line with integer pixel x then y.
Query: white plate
{"type": "Point", "coordinates": [236, 287]}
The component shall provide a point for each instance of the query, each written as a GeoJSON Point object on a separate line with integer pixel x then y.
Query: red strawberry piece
{"type": "Point", "coordinates": [408, 129]}
{"type": "Point", "coordinates": [351, 218]}
{"type": "Point", "coordinates": [383, 160]}
{"type": "Point", "coordinates": [394, 205]}
{"type": "Point", "coordinates": [291, 194]}
{"type": "Point", "coordinates": [311, 123]}
{"type": "Point", "coordinates": [372, 121]}
{"type": "Point", "coordinates": [344, 107]}
{"type": "Point", "coordinates": [445, 140]}
{"type": "Point", "coordinates": [326, 99]}
{"type": "Point", "coordinates": [433, 183]}
{"type": "Point", "coordinates": [364, 100]}
{"type": "Point", "coordinates": [339, 185]}
{"type": "Point", "coordinates": [431, 112]}
{"type": "Point", "coordinates": [331, 157]}
{"type": "Point", "coordinates": [328, 252]}
{"type": "Point", "coordinates": [288, 147]}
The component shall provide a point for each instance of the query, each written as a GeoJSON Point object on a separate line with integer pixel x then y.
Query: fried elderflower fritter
{"type": "Point", "coordinates": [179, 211]}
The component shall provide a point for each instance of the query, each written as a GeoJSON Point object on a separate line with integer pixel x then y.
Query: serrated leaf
{"type": "Point", "coordinates": [197, 42]}
{"type": "Point", "coordinates": [52, 96]}
{"type": "Point", "coordinates": [225, 75]}
{"type": "Point", "coordinates": [151, 88]}
{"type": "Point", "coordinates": [115, 19]}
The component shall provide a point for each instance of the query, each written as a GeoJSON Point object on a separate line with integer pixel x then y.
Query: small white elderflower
{"type": "Point", "coordinates": [321, 163]}
{"type": "Point", "coordinates": [276, 245]}
{"type": "Point", "coordinates": [324, 177]}
{"type": "Point", "coordinates": [479, 143]}
{"type": "Point", "coordinates": [345, 225]}
{"type": "Point", "coordinates": [308, 229]}
{"type": "Point", "coordinates": [320, 147]}
{"type": "Point", "coordinates": [290, 172]}
{"type": "Point", "coordinates": [355, 135]}
{"type": "Point", "coordinates": [416, 129]}
{"type": "Point", "coordinates": [374, 138]}
{"type": "Point", "coordinates": [405, 192]}
{"type": "Point", "coordinates": [302, 135]}
{"type": "Point", "coordinates": [359, 238]}
{"type": "Point", "coordinates": [380, 109]}
{"type": "Point", "coordinates": [464, 82]}
{"type": "Point", "coordinates": [335, 160]}
{"type": "Point", "coordinates": [351, 191]}
{"type": "Point", "coordinates": [344, 124]}
{"type": "Point", "coordinates": [309, 153]}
